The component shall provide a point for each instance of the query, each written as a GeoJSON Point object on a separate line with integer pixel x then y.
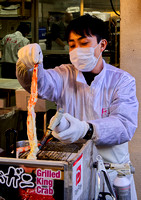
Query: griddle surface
{"type": "Point", "coordinates": [57, 151]}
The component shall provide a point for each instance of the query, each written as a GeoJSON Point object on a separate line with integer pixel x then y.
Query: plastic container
{"type": "Point", "coordinates": [42, 33]}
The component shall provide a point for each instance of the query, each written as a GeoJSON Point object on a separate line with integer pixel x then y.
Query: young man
{"type": "Point", "coordinates": [11, 44]}
{"type": "Point", "coordinates": [99, 100]}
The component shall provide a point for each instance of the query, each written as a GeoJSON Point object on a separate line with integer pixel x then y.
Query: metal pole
{"type": "Point", "coordinates": [35, 23]}
{"type": "Point", "coordinates": [81, 7]}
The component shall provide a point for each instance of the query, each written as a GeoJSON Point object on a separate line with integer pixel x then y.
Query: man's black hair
{"type": "Point", "coordinates": [87, 25]}
{"type": "Point", "coordinates": [24, 29]}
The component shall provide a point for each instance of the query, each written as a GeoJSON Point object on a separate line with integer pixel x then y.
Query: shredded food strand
{"type": "Point", "coordinates": [31, 118]}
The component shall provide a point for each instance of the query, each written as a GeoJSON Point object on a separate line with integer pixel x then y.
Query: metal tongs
{"type": "Point", "coordinates": [101, 170]}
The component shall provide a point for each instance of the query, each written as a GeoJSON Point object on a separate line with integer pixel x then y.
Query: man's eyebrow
{"type": "Point", "coordinates": [82, 37]}
{"type": "Point", "coordinates": [72, 40]}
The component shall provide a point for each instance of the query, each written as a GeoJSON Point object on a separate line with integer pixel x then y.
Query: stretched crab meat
{"type": "Point", "coordinates": [31, 118]}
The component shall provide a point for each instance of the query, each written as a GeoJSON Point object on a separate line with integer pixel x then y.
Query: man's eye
{"type": "Point", "coordinates": [72, 46]}
{"type": "Point", "coordinates": [84, 43]}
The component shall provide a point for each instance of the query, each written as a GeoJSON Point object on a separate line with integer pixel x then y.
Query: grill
{"type": "Point", "coordinates": [58, 151]}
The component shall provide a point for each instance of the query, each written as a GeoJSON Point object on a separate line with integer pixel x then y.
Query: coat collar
{"type": "Point", "coordinates": [80, 77]}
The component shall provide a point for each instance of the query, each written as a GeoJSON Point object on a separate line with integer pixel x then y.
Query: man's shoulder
{"type": "Point", "coordinates": [20, 37]}
{"type": "Point", "coordinates": [26, 40]}
{"type": "Point", "coordinates": [112, 68]}
{"type": "Point", "coordinates": [117, 71]}
{"type": "Point", "coordinates": [11, 36]}
{"type": "Point", "coordinates": [8, 35]}
{"type": "Point", "coordinates": [66, 69]}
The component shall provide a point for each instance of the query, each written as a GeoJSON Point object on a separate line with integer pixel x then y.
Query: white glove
{"type": "Point", "coordinates": [73, 131]}
{"type": "Point", "coordinates": [63, 125]}
{"type": "Point", "coordinates": [66, 47]}
{"type": "Point", "coordinates": [30, 55]}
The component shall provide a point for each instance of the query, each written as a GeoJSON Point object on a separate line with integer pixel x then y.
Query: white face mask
{"type": "Point", "coordinates": [83, 58]}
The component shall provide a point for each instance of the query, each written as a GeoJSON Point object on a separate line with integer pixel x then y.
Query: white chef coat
{"type": "Point", "coordinates": [109, 103]}
{"type": "Point", "coordinates": [11, 44]}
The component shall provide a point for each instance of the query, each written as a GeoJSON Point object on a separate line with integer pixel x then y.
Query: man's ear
{"type": "Point", "coordinates": [103, 44]}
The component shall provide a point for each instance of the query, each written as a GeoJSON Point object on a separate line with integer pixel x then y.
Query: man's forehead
{"type": "Point", "coordinates": [74, 36]}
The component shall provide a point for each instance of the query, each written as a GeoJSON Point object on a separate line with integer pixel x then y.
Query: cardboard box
{"type": "Point", "coordinates": [22, 97]}
{"type": "Point", "coordinates": [2, 103]}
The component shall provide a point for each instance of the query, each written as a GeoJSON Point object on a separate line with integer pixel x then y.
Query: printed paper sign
{"type": "Point", "coordinates": [32, 183]}
{"type": "Point", "coordinates": [45, 181]}
{"type": "Point", "coordinates": [77, 177]}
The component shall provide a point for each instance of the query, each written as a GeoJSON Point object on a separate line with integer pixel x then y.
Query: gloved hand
{"type": "Point", "coordinates": [63, 125]}
{"type": "Point", "coordinates": [30, 55]}
{"type": "Point", "coordinates": [66, 47]}
{"type": "Point", "coordinates": [72, 131]}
